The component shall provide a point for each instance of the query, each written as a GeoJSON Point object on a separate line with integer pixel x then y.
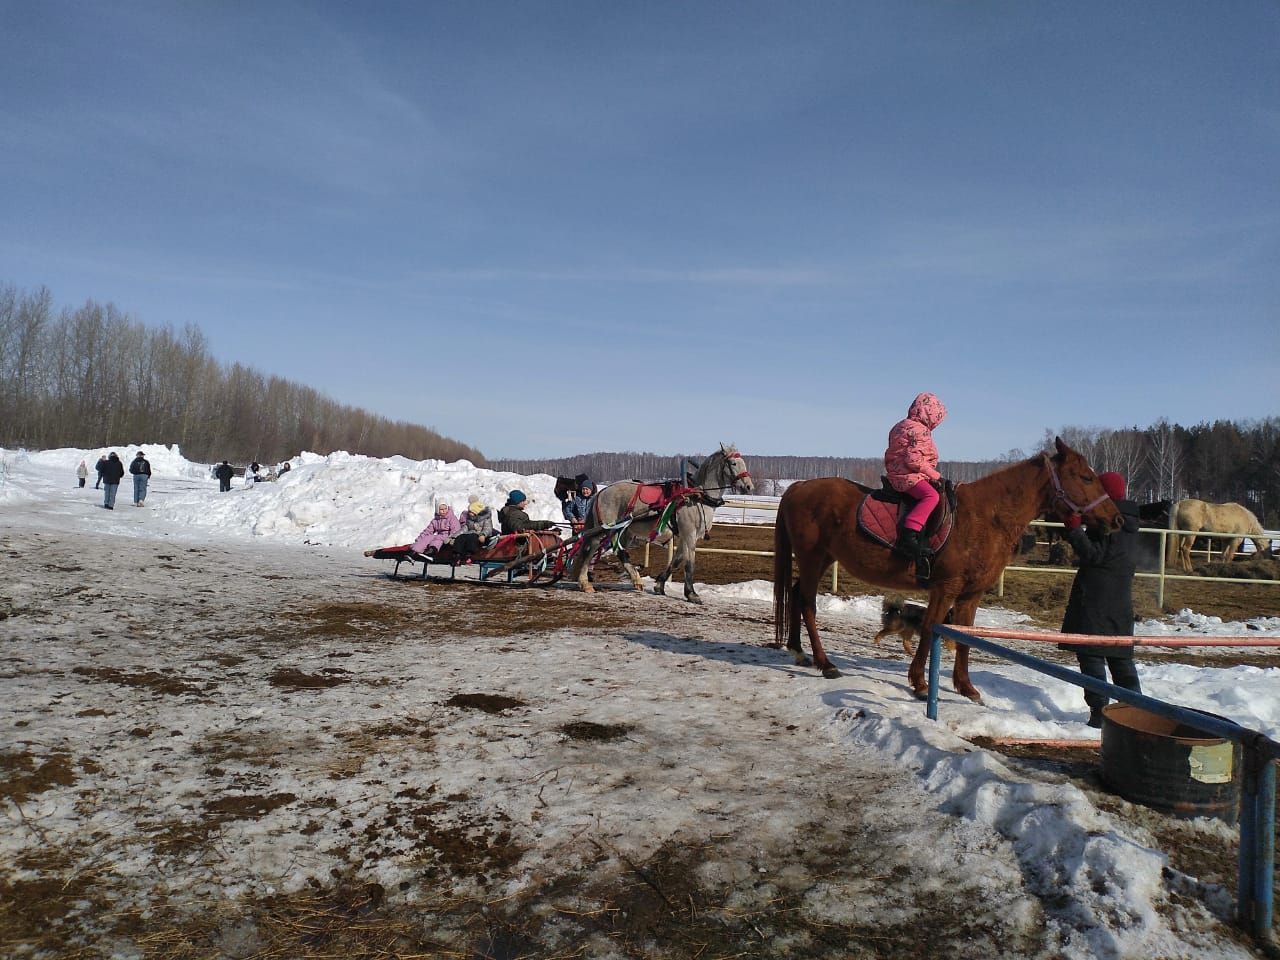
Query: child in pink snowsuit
{"type": "Point", "coordinates": [910, 462]}
{"type": "Point", "coordinates": [442, 528]}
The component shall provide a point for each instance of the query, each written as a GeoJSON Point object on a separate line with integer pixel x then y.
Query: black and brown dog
{"type": "Point", "coordinates": [905, 618]}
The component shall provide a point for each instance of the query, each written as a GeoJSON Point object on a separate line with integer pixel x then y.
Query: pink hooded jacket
{"type": "Point", "coordinates": [912, 456]}
{"type": "Point", "coordinates": [439, 531]}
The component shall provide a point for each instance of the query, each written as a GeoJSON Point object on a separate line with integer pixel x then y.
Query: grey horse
{"type": "Point", "coordinates": [722, 471]}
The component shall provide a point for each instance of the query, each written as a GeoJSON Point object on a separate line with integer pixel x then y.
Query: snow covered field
{"type": "Point", "coordinates": [216, 708]}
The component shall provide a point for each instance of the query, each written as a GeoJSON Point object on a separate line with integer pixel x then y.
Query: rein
{"type": "Point", "coordinates": [1060, 495]}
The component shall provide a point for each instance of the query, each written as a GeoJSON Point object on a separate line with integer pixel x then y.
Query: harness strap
{"type": "Point", "coordinates": [1060, 495]}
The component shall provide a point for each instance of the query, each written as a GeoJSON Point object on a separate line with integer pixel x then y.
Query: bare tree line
{"type": "Point", "coordinates": [92, 376]}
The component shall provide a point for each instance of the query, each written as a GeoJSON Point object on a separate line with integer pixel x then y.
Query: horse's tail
{"type": "Point", "coordinates": [781, 576]}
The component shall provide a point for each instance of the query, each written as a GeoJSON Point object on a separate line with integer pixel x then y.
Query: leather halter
{"type": "Point", "coordinates": [1060, 495]}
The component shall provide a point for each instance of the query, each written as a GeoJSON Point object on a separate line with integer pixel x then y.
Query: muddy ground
{"type": "Point", "coordinates": [191, 730]}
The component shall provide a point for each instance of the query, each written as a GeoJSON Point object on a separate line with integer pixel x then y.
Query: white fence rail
{"type": "Point", "coordinates": [762, 512]}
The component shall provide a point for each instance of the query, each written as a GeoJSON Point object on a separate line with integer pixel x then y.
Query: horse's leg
{"type": "Point", "coordinates": [586, 547]}
{"type": "Point", "coordinates": [940, 601]}
{"type": "Point", "coordinates": [689, 551]}
{"type": "Point", "coordinates": [1229, 554]}
{"type": "Point", "coordinates": [804, 604]}
{"type": "Point", "coordinates": [624, 560]}
{"type": "Point", "coordinates": [966, 609]}
{"type": "Point", "coordinates": [660, 581]}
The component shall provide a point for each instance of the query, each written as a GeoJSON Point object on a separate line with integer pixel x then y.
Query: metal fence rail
{"type": "Point", "coordinates": [1256, 866]}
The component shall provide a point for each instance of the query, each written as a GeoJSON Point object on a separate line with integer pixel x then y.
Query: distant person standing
{"type": "Point", "coordinates": [82, 472]}
{"type": "Point", "coordinates": [141, 471]}
{"type": "Point", "coordinates": [102, 462]}
{"type": "Point", "coordinates": [112, 473]}
{"type": "Point", "coordinates": [1101, 601]}
{"type": "Point", "coordinates": [224, 472]}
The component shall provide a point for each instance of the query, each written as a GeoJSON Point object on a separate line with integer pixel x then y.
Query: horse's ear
{"type": "Point", "coordinates": [1063, 449]}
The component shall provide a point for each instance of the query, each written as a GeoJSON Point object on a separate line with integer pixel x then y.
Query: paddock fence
{"type": "Point", "coordinates": [758, 513]}
{"type": "Point", "coordinates": [1255, 888]}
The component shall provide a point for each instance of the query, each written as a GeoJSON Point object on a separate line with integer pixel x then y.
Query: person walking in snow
{"type": "Point", "coordinates": [224, 472]}
{"type": "Point", "coordinates": [911, 464]}
{"type": "Point", "coordinates": [1101, 601]}
{"type": "Point", "coordinates": [112, 473]}
{"type": "Point", "coordinates": [82, 472]}
{"type": "Point", "coordinates": [444, 526]}
{"type": "Point", "coordinates": [102, 462]}
{"type": "Point", "coordinates": [141, 471]}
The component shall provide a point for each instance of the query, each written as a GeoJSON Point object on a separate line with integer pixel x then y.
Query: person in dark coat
{"type": "Point", "coordinates": [1101, 602]}
{"type": "Point", "coordinates": [141, 470]}
{"type": "Point", "coordinates": [112, 474]}
{"type": "Point", "coordinates": [102, 462]}
{"type": "Point", "coordinates": [513, 518]}
{"type": "Point", "coordinates": [224, 472]}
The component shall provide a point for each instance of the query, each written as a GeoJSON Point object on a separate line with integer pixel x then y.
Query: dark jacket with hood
{"type": "Point", "coordinates": [224, 471]}
{"type": "Point", "coordinates": [112, 470]}
{"type": "Point", "coordinates": [140, 465]}
{"type": "Point", "coordinates": [1101, 601]}
{"type": "Point", "coordinates": [514, 520]}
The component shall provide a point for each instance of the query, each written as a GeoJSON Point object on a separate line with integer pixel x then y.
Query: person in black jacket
{"type": "Point", "coordinates": [1101, 602]}
{"type": "Point", "coordinates": [102, 462]}
{"type": "Point", "coordinates": [224, 472]}
{"type": "Point", "coordinates": [141, 470]}
{"type": "Point", "coordinates": [112, 474]}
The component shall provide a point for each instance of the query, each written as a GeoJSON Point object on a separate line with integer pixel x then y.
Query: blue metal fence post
{"type": "Point", "coordinates": [1246, 869]}
{"type": "Point", "coordinates": [1265, 852]}
{"type": "Point", "coordinates": [935, 658]}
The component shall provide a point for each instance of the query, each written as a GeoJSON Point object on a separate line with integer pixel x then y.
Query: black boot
{"type": "Point", "coordinates": [911, 543]}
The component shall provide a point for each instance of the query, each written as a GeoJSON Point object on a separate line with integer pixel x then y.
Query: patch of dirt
{"type": "Point", "coordinates": [23, 775]}
{"type": "Point", "coordinates": [350, 621]}
{"type": "Point", "coordinates": [150, 679]}
{"type": "Point", "coordinates": [586, 730]}
{"type": "Point", "coordinates": [290, 678]}
{"type": "Point", "coordinates": [485, 702]}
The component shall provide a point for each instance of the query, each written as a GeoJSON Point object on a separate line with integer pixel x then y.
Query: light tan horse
{"type": "Point", "coordinates": [1192, 516]}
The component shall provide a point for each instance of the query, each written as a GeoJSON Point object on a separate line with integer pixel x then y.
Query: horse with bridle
{"type": "Point", "coordinates": [816, 520]}
{"type": "Point", "coordinates": [630, 513]}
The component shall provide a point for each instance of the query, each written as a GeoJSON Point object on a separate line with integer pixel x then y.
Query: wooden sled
{"type": "Point", "coordinates": [502, 556]}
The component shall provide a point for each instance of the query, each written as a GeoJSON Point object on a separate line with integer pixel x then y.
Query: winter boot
{"type": "Point", "coordinates": [911, 543]}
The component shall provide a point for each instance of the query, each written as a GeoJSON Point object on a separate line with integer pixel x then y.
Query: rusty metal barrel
{"type": "Point", "coordinates": [1170, 766]}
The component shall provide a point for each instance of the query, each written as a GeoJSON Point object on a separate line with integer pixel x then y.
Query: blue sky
{"type": "Point", "coordinates": [550, 228]}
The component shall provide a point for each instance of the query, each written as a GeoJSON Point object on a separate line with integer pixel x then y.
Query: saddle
{"type": "Point", "coordinates": [655, 497]}
{"type": "Point", "coordinates": [882, 511]}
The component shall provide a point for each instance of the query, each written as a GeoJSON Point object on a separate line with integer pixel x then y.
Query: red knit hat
{"type": "Point", "coordinates": [1113, 483]}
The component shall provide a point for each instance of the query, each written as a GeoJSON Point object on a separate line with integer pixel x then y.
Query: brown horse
{"type": "Point", "coordinates": [816, 520]}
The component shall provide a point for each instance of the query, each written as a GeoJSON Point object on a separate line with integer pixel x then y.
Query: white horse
{"type": "Point", "coordinates": [620, 511]}
{"type": "Point", "coordinates": [1191, 516]}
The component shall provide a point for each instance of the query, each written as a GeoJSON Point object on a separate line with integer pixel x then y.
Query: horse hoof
{"type": "Point", "coordinates": [802, 660]}
{"type": "Point", "coordinates": [659, 589]}
{"type": "Point", "coordinates": [921, 694]}
{"type": "Point", "coordinates": [693, 598]}
{"type": "Point", "coordinates": [830, 673]}
{"type": "Point", "coordinates": [587, 588]}
{"type": "Point", "coordinates": [976, 697]}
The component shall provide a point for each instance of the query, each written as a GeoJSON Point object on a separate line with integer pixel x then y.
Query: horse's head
{"type": "Point", "coordinates": [736, 474]}
{"type": "Point", "coordinates": [1074, 488]}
